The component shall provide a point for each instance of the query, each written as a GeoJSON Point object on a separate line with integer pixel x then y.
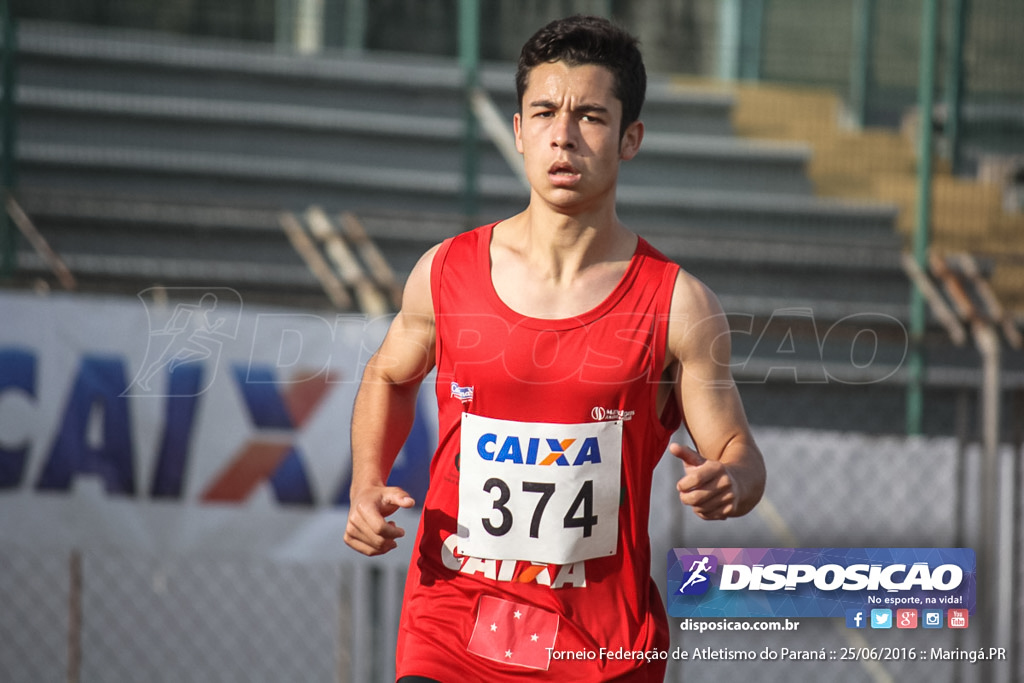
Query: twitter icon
{"type": "Point", "coordinates": [881, 618]}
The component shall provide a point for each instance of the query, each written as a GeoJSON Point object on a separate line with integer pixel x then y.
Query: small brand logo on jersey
{"type": "Point", "coordinates": [600, 414]}
{"type": "Point", "coordinates": [464, 394]}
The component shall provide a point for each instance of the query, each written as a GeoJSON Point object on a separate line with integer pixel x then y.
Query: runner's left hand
{"type": "Point", "coordinates": [707, 486]}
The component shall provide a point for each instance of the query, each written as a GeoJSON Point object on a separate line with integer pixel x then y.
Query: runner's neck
{"type": "Point", "coordinates": [557, 270]}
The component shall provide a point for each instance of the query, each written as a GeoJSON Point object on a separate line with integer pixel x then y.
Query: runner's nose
{"type": "Point", "coordinates": [563, 134]}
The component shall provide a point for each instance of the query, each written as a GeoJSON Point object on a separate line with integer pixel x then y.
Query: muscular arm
{"type": "Point", "coordinates": [383, 416]}
{"type": "Point", "coordinates": [725, 477]}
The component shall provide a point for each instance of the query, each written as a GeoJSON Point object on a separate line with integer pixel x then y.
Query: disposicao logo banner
{"type": "Point", "coordinates": [816, 582]}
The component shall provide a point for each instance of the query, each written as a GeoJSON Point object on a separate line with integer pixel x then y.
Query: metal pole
{"type": "Point", "coordinates": [469, 60]}
{"type": "Point", "coordinates": [751, 29]}
{"type": "Point", "coordinates": [1006, 622]}
{"type": "Point", "coordinates": [1017, 514]}
{"type": "Point", "coordinates": [74, 668]}
{"type": "Point", "coordinates": [993, 601]}
{"type": "Point", "coordinates": [309, 26]}
{"type": "Point", "coordinates": [729, 13]}
{"type": "Point", "coordinates": [860, 71]}
{"type": "Point", "coordinates": [925, 96]}
{"type": "Point", "coordinates": [954, 80]}
{"type": "Point", "coordinates": [355, 25]}
{"type": "Point", "coordinates": [8, 171]}
{"type": "Point", "coordinates": [284, 25]}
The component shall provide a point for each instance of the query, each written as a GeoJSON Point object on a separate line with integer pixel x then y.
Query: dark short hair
{"type": "Point", "coordinates": [580, 40]}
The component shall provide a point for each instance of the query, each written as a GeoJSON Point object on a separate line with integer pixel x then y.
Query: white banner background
{"type": "Point", "coordinates": [63, 337]}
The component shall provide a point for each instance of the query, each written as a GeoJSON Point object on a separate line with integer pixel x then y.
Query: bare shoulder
{"type": "Point", "coordinates": [416, 296]}
{"type": "Point", "coordinates": [407, 353]}
{"type": "Point", "coordinates": [693, 297]}
{"type": "Point", "coordinates": [698, 325]}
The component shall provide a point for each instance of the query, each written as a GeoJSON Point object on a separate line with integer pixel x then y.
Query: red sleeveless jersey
{"type": "Point", "coordinates": [553, 425]}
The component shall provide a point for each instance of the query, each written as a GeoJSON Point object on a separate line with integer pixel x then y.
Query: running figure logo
{"type": "Point", "coordinates": [696, 580]}
{"type": "Point", "coordinates": [194, 331]}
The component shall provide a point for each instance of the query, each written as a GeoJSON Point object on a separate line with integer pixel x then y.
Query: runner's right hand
{"type": "Point", "coordinates": [367, 530]}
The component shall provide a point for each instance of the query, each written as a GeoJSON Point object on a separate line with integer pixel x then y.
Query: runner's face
{"type": "Point", "coordinates": [568, 134]}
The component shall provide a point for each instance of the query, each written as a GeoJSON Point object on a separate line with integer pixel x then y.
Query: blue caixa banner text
{"type": "Point", "coordinates": [816, 582]}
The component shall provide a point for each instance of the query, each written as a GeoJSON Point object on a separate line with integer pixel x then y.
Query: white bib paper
{"type": "Point", "coordinates": [541, 492]}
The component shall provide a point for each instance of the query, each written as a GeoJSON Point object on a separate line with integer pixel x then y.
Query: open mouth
{"type": "Point", "coordinates": [563, 172]}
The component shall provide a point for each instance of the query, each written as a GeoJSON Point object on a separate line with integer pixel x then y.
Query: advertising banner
{"type": "Point", "coordinates": [819, 582]}
{"type": "Point", "coordinates": [183, 420]}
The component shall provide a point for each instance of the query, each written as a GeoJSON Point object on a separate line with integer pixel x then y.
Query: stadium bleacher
{"type": "Point", "coordinates": [146, 159]}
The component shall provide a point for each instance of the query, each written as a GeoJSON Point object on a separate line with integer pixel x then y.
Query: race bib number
{"type": "Point", "coordinates": [546, 493]}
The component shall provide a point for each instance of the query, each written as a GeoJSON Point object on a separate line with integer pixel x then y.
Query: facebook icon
{"type": "Point", "coordinates": [855, 618]}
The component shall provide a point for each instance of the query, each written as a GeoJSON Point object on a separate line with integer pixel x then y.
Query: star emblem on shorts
{"type": "Point", "coordinates": [513, 633]}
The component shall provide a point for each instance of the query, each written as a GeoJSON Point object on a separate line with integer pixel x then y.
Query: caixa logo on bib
{"type": "Point", "coordinates": [533, 450]}
{"type": "Point", "coordinates": [808, 582]}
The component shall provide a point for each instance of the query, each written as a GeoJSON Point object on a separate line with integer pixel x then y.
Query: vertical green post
{"type": "Point", "coordinates": [355, 25]}
{"type": "Point", "coordinates": [469, 60]}
{"type": "Point", "coordinates": [958, 12]}
{"type": "Point", "coordinates": [751, 30]}
{"type": "Point", "coordinates": [8, 173]}
{"type": "Point", "coordinates": [860, 69]}
{"type": "Point", "coordinates": [740, 25]}
{"type": "Point", "coordinates": [729, 38]}
{"type": "Point", "coordinates": [925, 97]}
{"type": "Point", "coordinates": [284, 25]}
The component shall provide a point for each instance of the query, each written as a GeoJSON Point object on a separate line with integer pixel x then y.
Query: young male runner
{"type": "Point", "coordinates": [568, 351]}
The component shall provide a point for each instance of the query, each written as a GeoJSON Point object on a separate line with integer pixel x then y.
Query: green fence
{"type": "Point", "coordinates": [8, 177]}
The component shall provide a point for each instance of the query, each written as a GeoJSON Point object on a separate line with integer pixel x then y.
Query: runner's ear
{"type": "Point", "coordinates": [632, 137]}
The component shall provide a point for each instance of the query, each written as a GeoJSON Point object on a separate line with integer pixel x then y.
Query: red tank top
{"type": "Point", "coordinates": [500, 617]}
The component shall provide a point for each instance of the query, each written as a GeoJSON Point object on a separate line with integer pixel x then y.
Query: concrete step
{"type": "Point", "coordinates": [662, 211]}
{"type": "Point", "coordinates": [669, 107]}
{"type": "Point", "coordinates": [827, 315]}
{"type": "Point", "coordinates": [846, 277]}
{"type": "Point", "coordinates": [295, 183]}
{"type": "Point", "coordinates": [754, 275]}
{"type": "Point", "coordinates": [124, 245]}
{"type": "Point", "coordinates": [69, 117]}
{"type": "Point", "coordinates": [138, 62]}
{"type": "Point", "coordinates": [718, 162]}
{"type": "Point", "coordinates": [159, 116]}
